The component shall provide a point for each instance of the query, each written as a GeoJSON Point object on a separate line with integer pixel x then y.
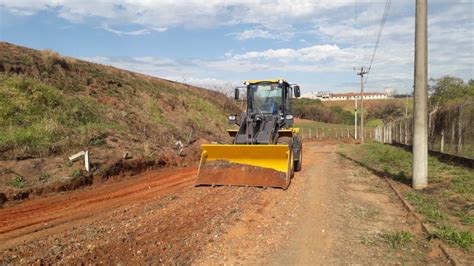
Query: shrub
{"type": "Point", "coordinates": [18, 182]}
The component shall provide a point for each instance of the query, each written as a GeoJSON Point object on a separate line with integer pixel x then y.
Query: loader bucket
{"type": "Point", "coordinates": [245, 165]}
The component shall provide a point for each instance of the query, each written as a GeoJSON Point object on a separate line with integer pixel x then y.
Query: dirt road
{"type": "Point", "coordinates": [334, 212]}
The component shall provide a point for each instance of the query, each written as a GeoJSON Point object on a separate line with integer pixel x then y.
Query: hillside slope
{"type": "Point", "coordinates": [52, 106]}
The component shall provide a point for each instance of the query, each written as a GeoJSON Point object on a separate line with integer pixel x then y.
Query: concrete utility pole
{"type": "Point", "coordinates": [361, 73]}
{"type": "Point", "coordinates": [420, 105]}
{"type": "Point", "coordinates": [355, 120]}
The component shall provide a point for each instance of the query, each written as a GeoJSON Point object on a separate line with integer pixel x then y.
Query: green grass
{"type": "Point", "coordinates": [427, 206]}
{"type": "Point", "coordinates": [321, 125]}
{"type": "Point", "coordinates": [18, 182]}
{"type": "Point", "coordinates": [455, 237]}
{"type": "Point", "coordinates": [35, 116]}
{"type": "Point", "coordinates": [320, 129]}
{"type": "Point", "coordinates": [374, 123]}
{"type": "Point", "coordinates": [77, 173]}
{"type": "Point", "coordinates": [397, 162]}
{"type": "Point", "coordinates": [462, 184]}
{"type": "Point", "coordinates": [44, 177]}
{"type": "Point", "coordinates": [397, 240]}
{"type": "Point", "coordinates": [450, 188]}
{"type": "Point", "coordinates": [465, 217]}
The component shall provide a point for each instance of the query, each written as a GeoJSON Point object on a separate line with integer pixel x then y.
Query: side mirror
{"type": "Point", "coordinates": [236, 94]}
{"type": "Point", "coordinates": [297, 91]}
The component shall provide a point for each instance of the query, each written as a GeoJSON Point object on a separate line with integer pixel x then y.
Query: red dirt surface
{"type": "Point", "coordinates": [157, 217]}
{"type": "Point", "coordinates": [56, 213]}
{"type": "Point", "coordinates": [334, 212]}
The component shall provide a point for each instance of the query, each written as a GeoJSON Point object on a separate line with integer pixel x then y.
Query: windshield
{"type": "Point", "coordinates": [267, 98]}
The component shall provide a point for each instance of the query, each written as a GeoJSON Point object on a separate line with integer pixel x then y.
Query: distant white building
{"type": "Point", "coordinates": [329, 96]}
{"type": "Point", "coordinates": [391, 92]}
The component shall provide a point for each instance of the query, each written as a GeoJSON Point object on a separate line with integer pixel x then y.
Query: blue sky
{"type": "Point", "coordinates": [218, 44]}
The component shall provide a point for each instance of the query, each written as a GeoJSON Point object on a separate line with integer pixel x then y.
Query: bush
{"type": "Point", "coordinates": [18, 182]}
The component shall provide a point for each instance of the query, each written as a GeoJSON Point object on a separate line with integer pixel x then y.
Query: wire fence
{"type": "Point", "coordinates": [450, 131]}
{"type": "Point", "coordinates": [334, 133]}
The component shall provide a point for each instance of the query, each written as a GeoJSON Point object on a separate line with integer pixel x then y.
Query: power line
{"type": "Point", "coordinates": [367, 31]}
{"type": "Point", "coordinates": [382, 24]}
{"type": "Point", "coordinates": [356, 32]}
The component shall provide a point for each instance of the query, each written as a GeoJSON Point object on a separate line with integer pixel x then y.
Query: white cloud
{"type": "Point", "coordinates": [164, 14]}
{"type": "Point", "coordinates": [312, 54]}
{"type": "Point", "coordinates": [279, 54]}
{"type": "Point", "coordinates": [253, 34]}
{"type": "Point", "coordinates": [121, 33]}
{"type": "Point", "coordinates": [334, 42]}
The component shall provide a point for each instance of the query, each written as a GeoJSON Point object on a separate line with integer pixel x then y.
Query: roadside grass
{"type": "Point", "coordinates": [466, 218]}
{"type": "Point", "coordinates": [455, 237]}
{"type": "Point", "coordinates": [427, 206]}
{"type": "Point", "coordinates": [310, 124]}
{"type": "Point", "coordinates": [36, 117]}
{"type": "Point", "coordinates": [397, 240]}
{"type": "Point", "coordinates": [443, 203]}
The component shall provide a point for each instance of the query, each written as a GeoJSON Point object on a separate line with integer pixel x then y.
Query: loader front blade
{"type": "Point", "coordinates": [245, 165]}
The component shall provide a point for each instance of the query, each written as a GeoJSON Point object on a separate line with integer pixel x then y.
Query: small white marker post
{"type": "Point", "coordinates": [74, 157]}
{"type": "Point", "coordinates": [86, 161]}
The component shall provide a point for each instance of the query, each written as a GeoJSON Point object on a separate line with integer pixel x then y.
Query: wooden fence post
{"type": "Point", "coordinates": [459, 144]}
{"type": "Point", "coordinates": [400, 132]}
{"type": "Point", "coordinates": [453, 132]}
{"type": "Point", "coordinates": [441, 149]}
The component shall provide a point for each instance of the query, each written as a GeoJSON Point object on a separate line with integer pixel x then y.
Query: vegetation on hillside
{"type": "Point", "coordinates": [316, 110]}
{"type": "Point", "coordinates": [36, 118]}
{"type": "Point", "coordinates": [50, 104]}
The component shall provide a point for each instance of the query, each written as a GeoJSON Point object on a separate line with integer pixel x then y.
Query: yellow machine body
{"type": "Point", "coordinates": [263, 156]}
{"type": "Point", "coordinates": [245, 165]}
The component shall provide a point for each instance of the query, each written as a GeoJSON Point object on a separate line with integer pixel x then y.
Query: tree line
{"type": "Point", "coordinates": [443, 92]}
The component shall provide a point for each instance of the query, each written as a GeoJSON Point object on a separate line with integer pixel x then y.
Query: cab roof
{"type": "Point", "coordinates": [255, 81]}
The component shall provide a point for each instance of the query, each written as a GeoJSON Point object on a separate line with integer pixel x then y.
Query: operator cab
{"type": "Point", "coordinates": [269, 97]}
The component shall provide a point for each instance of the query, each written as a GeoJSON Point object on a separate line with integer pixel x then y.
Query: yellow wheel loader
{"type": "Point", "coordinates": [266, 149]}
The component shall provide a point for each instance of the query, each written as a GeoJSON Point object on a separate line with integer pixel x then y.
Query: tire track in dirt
{"type": "Point", "coordinates": [53, 214]}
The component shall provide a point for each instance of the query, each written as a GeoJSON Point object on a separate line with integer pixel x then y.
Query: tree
{"type": "Point", "coordinates": [450, 89]}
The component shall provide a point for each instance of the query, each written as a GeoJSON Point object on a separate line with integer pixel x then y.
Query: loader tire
{"type": "Point", "coordinates": [288, 141]}
{"type": "Point", "coordinates": [299, 160]}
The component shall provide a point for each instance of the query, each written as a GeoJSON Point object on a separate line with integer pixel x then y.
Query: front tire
{"type": "Point", "coordinates": [299, 161]}
{"type": "Point", "coordinates": [288, 141]}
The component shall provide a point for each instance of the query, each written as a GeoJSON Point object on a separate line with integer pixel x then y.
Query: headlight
{"type": "Point", "coordinates": [289, 117]}
{"type": "Point", "coordinates": [232, 117]}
